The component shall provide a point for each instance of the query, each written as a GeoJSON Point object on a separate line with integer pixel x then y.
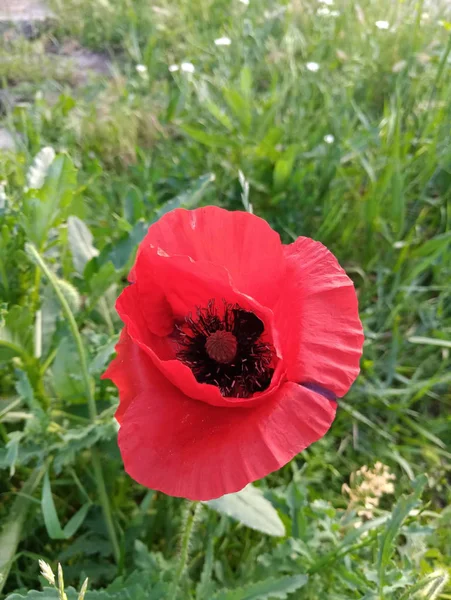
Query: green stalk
{"type": "Point", "coordinates": [101, 489]}
{"type": "Point", "coordinates": [187, 531]}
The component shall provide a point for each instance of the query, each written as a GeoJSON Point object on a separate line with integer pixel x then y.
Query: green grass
{"type": "Point", "coordinates": [379, 197]}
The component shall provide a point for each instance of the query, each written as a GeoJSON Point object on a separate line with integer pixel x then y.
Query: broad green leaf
{"type": "Point", "coordinates": [46, 207]}
{"type": "Point", "coordinates": [251, 509]}
{"type": "Point", "coordinates": [212, 140]}
{"type": "Point", "coordinates": [246, 81]}
{"type": "Point", "coordinates": [67, 375]}
{"type": "Point", "coordinates": [80, 243]}
{"type": "Point", "coordinates": [190, 198]}
{"type": "Point", "coordinates": [100, 281]}
{"type": "Point", "coordinates": [16, 333]}
{"type": "Point", "coordinates": [241, 108]}
{"type": "Point", "coordinates": [218, 114]}
{"type": "Point", "coordinates": [12, 530]}
{"type": "Point", "coordinates": [283, 168]}
{"type": "Point", "coordinates": [279, 588]}
{"type": "Point", "coordinates": [402, 509]}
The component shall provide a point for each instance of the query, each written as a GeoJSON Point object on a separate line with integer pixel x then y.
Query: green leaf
{"type": "Point", "coordinates": [66, 371]}
{"type": "Point", "coordinates": [212, 140]}
{"type": "Point", "coordinates": [251, 509]}
{"type": "Point", "coordinates": [284, 168]}
{"type": "Point", "coordinates": [80, 243]}
{"type": "Point", "coordinates": [25, 391]}
{"type": "Point", "coordinates": [75, 441]}
{"type": "Point", "coordinates": [133, 205]}
{"type": "Point", "coordinates": [12, 530]}
{"type": "Point", "coordinates": [402, 509]}
{"type": "Point", "coordinates": [51, 519]}
{"type": "Point", "coordinates": [100, 281]}
{"type": "Point", "coordinates": [190, 198]}
{"type": "Point", "coordinates": [16, 333]}
{"type": "Point", "coordinates": [46, 207]}
{"type": "Point", "coordinates": [241, 108]}
{"type": "Point", "coordinates": [264, 590]}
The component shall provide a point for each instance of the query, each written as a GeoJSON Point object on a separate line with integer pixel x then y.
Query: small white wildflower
{"type": "Point", "coordinates": [323, 11]}
{"type": "Point", "coordinates": [246, 2]}
{"type": "Point", "coordinates": [328, 2]}
{"type": "Point", "coordinates": [425, 16]}
{"type": "Point", "coordinates": [46, 572]}
{"type": "Point", "coordinates": [173, 68]}
{"type": "Point", "coordinates": [38, 171]}
{"type": "Point", "coordinates": [223, 41]}
{"type": "Point", "coordinates": [141, 69]}
{"type": "Point", "coordinates": [187, 67]}
{"type": "Point", "coordinates": [329, 138]}
{"type": "Point", "coordinates": [312, 66]}
{"type": "Point", "coordinates": [382, 24]}
{"type": "Point", "coordinates": [334, 13]}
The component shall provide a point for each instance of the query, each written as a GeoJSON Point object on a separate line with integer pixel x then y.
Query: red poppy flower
{"type": "Point", "coordinates": [234, 350]}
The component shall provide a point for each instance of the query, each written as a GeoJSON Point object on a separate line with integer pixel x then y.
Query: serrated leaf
{"type": "Point", "coordinates": [265, 590]}
{"type": "Point", "coordinates": [75, 441]}
{"type": "Point", "coordinates": [402, 509]}
{"type": "Point", "coordinates": [251, 509]}
{"type": "Point", "coordinates": [25, 391]}
{"type": "Point", "coordinates": [80, 243]}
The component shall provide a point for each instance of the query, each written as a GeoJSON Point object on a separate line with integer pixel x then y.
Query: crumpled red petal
{"type": "Point", "coordinates": [243, 244]}
{"type": "Point", "coordinates": [318, 320]}
{"type": "Point", "coordinates": [183, 447]}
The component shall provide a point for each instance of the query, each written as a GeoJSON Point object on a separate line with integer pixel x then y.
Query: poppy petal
{"type": "Point", "coordinates": [317, 319]}
{"type": "Point", "coordinates": [240, 242]}
{"type": "Point", "coordinates": [182, 447]}
{"type": "Point", "coordinates": [186, 286]}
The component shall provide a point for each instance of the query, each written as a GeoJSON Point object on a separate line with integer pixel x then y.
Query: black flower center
{"type": "Point", "coordinates": [227, 350]}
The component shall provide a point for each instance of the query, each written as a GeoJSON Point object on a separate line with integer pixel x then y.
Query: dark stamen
{"type": "Point", "coordinates": [227, 350]}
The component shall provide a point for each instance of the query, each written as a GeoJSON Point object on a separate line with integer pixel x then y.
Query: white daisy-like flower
{"type": "Point", "coordinates": [142, 69]}
{"type": "Point", "coordinates": [382, 24]}
{"type": "Point", "coordinates": [329, 138]}
{"type": "Point", "coordinates": [187, 67]}
{"type": "Point", "coordinates": [173, 68]}
{"type": "Point", "coordinates": [312, 66]}
{"type": "Point", "coordinates": [223, 41]}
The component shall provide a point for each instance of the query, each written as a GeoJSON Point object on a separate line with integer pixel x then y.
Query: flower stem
{"type": "Point", "coordinates": [98, 474]}
{"type": "Point", "coordinates": [190, 519]}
